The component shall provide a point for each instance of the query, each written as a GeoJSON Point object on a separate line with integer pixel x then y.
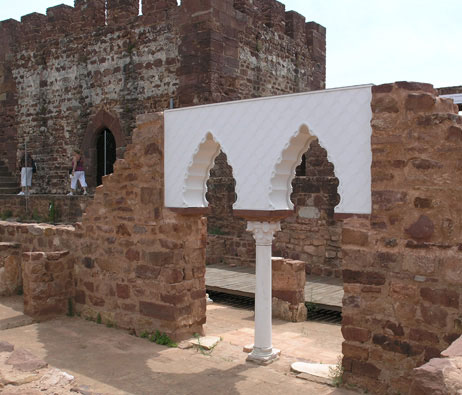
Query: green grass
{"type": "Point", "coordinates": [159, 338]}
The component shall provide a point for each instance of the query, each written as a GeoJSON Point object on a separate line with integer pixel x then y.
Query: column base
{"type": "Point", "coordinates": [263, 356]}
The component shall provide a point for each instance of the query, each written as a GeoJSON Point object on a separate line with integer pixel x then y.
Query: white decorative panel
{"type": "Point", "coordinates": [456, 97]}
{"type": "Point", "coordinates": [264, 140]}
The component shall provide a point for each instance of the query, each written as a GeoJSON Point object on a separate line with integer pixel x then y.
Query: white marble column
{"type": "Point", "coordinates": [263, 233]}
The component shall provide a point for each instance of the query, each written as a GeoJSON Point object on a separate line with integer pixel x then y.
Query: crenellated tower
{"type": "Point", "coordinates": [60, 71]}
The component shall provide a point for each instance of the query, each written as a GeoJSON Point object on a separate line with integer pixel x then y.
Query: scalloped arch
{"type": "Point", "coordinates": [195, 184]}
{"type": "Point", "coordinates": [284, 170]}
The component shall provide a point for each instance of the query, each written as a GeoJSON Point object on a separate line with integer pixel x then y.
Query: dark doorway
{"type": "Point", "coordinates": [106, 155]}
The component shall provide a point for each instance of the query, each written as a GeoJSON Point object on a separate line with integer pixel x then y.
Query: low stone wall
{"type": "Point", "coordinates": [288, 283]}
{"type": "Point", "coordinates": [10, 269]}
{"type": "Point", "coordinates": [48, 281]}
{"type": "Point", "coordinates": [44, 208]}
{"type": "Point", "coordinates": [440, 376]}
{"type": "Point", "coordinates": [39, 237]}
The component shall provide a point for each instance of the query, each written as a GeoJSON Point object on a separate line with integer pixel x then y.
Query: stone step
{"type": "Point", "coordinates": [10, 184]}
{"type": "Point", "coordinates": [9, 191]}
{"type": "Point", "coordinates": [4, 169]}
{"type": "Point", "coordinates": [16, 322]}
{"type": "Point", "coordinates": [8, 178]}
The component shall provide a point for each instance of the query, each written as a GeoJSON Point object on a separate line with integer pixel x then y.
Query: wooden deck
{"type": "Point", "coordinates": [326, 293]}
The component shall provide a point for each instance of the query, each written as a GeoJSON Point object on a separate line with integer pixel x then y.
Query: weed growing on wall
{"type": "Point", "coordinates": [336, 373]}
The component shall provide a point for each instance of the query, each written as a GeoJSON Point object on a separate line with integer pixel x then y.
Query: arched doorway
{"type": "Point", "coordinates": [94, 157]}
{"type": "Point", "coordinates": [105, 154]}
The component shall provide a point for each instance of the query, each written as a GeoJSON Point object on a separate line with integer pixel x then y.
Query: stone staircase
{"type": "Point", "coordinates": [9, 184]}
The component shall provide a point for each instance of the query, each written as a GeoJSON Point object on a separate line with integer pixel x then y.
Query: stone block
{"type": "Point", "coordinates": [48, 283]}
{"type": "Point", "coordinates": [10, 273]}
{"type": "Point", "coordinates": [439, 376]}
{"type": "Point", "coordinates": [355, 352]}
{"type": "Point", "coordinates": [384, 104]}
{"type": "Point", "coordinates": [355, 237]}
{"type": "Point", "coordinates": [365, 369]}
{"type": "Point", "coordinates": [443, 297]}
{"type": "Point", "coordinates": [418, 102]}
{"type": "Point", "coordinates": [158, 311]}
{"type": "Point", "coordinates": [434, 316]}
{"type": "Point", "coordinates": [356, 334]}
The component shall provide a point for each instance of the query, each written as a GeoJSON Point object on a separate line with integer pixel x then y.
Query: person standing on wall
{"type": "Point", "coordinates": [78, 173]}
{"type": "Point", "coordinates": [27, 168]}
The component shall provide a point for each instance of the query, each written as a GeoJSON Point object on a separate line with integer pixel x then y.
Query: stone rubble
{"type": "Point", "coordinates": [23, 373]}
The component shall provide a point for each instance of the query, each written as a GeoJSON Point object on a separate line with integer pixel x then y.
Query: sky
{"type": "Point", "coordinates": [368, 41]}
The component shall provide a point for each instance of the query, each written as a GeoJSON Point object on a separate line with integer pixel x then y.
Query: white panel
{"type": "Point", "coordinates": [255, 133]}
{"type": "Point", "coordinates": [457, 97]}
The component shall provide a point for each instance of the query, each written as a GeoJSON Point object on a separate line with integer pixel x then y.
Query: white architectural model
{"type": "Point", "coordinates": [264, 140]}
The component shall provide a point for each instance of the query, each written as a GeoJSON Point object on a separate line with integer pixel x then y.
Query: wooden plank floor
{"type": "Point", "coordinates": [323, 291]}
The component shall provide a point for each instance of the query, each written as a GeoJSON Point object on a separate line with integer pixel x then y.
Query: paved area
{"type": "Point", "coordinates": [325, 292]}
{"type": "Point", "coordinates": [110, 361]}
{"type": "Point", "coordinates": [11, 315]}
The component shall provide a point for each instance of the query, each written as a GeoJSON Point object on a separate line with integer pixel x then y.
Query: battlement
{"type": "Point", "coordinates": [90, 15]}
{"type": "Point", "coordinates": [273, 14]}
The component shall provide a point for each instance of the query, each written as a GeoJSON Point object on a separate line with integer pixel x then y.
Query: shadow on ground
{"type": "Point", "coordinates": [110, 361]}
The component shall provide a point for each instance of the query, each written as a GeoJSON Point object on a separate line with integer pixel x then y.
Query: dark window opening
{"type": "Point", "coordinates": [106, 155]}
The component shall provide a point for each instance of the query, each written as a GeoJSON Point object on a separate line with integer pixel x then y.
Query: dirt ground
{"type": "Point", "coordinates": [110, 361]}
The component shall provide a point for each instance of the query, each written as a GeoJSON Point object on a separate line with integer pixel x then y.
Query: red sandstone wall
{"type": "Point", "coordinates": [402, 268]}
{"type": "Point", "coordinates": [139, 265]}
{"type": "Point", "coordinates": [48, 281]}
{"type": "Point", "coordinates": [38, 237]}
{"type": "Point", "coordinates": [9, 31]}
{"type": "Point", "coordinates": [68, 66]}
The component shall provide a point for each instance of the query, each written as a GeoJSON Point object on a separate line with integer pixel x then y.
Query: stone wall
{"type": "Point", "coordinates": [402, 268]}
{"type": "Point", "coordinates": [288, 289]}
{"type": "Point", "coordinates": [48, 283]}
{"type": "Point", "coordinates": [140, 265]}
{"type": "Point", "coordinates": [44, 208]}
{"type": "Point", "coordinates": [137, 265]}
{"type": "Point", "coordinates": [67, 76]}
{"type": "Point", "coordinates": [451, 90]}
{"type": "Point", "coordinates": [33, 237]}
{"type": "Point", "coordinates": [10, 269]}
{"type": "Point", "coordinates": [311, 234]}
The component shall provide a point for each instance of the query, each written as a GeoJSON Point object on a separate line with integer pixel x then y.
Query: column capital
{"type": "Point", "coordinates": [263, 232]}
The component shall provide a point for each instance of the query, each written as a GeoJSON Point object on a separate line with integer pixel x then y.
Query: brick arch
{"type": "Point", "coordinates": [102, 120]}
